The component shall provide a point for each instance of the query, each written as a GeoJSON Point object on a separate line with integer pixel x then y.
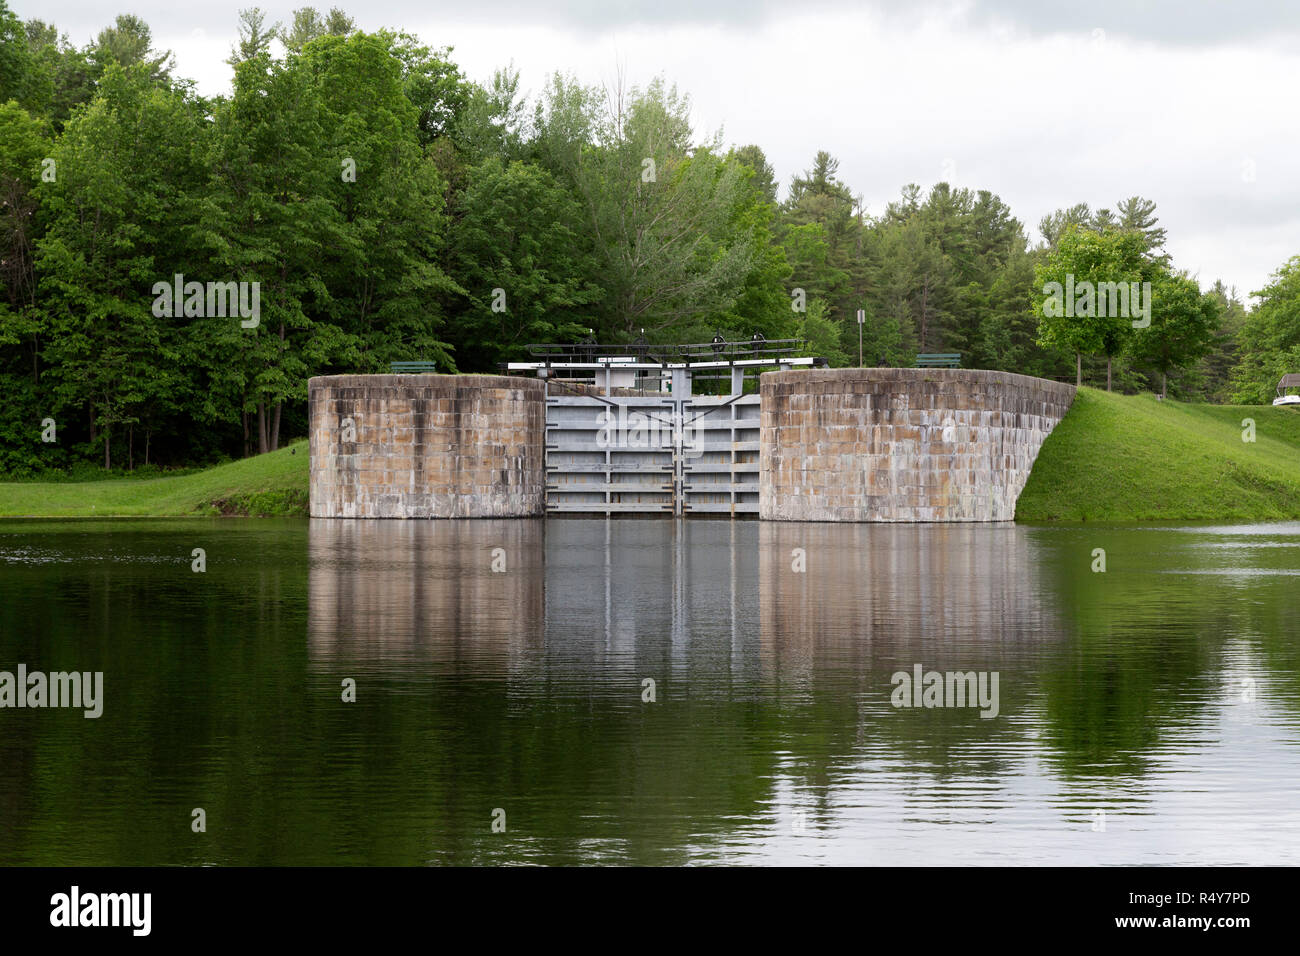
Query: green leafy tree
{"type": "Point", "coordinates": [1071, 315]}
{"type": "Point", "coordinates": [518, 250]}
{"type": "Point", "coordinates": [1054, 225]}
{"type": "Point", "coordinates": [1183, 323]}
{"type": "Point", "coordinates": [822, 336]}
{"type": "Point", "coordinates": [129, 42]}
{"type": "Point", "coordinates": [382, 272]}
{"type": "Point", "coordinates": [325, 199]}
{"type": "Point", "coordinates": [121, 205]}
{"type": "Point", "coordinates": [762, 303]}
{"type": "Point", "coordinates": [978, 238]}
{"type": "Point", "coordinates": [433, 84]}
{"type": "Point", "coordinates": [255, 36]}
{"type": "Point", "coordinates": [1270, 339]}
{"type": "Point", "coordinates": [24, 145]}
{"type": "Point", "coordinates": [913, 283]}
{"type": "Point", "coordinates": [665, 215]}
{"type": "Point", "coordinates": [764, 176]}
{"type": "Point", "coordinates": [807, 250]}
{"type": "Point", "coordinates": [270, 222]}
{"type": "Point", "coordinates": [1215, 372]}
{"type": "Point", "coordinates": [66, 77]}
{"type": "Point", "coordinates": [492, 120]}
{"type": "Point", "coordinates": [308, 25]}
{"type": "Point", "coordinates": [833, 272]}
{"type": "Point", "coordinates": [17, 77]}
{"type": "Point", "coordinates": [1139, 215]}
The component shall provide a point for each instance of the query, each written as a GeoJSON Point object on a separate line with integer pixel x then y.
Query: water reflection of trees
{"type": "Point", "coordinates": [1148, 636]}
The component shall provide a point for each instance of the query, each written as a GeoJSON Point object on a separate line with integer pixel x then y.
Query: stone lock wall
{"type": "Point", "coordinates": [884, 444]}
{"type": "Point", "coordinates": [427, 446]}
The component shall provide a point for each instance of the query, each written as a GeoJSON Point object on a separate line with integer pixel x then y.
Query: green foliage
{"type": "Point", "coordinates": [1053, 226]}
{"type": "Point", "coordinates": [63, 76]}
{"type": "Point", "coordinates": [1139, 215]}
{"type": "Point", "coordinates": [383, 232]}
{"type": "Point", "coordinates": [764, 176]}
{"type": "Point", "coordinates": [1211, 379]}
{"type": "Point", "coordinates": [124, 192]}
{"type": "Point", "coordinates": [128, 43]}
{"type": "Point", "coordinates": [1270, 338]}
{"type": "Point", "coordinates": [255, 36]}
{"type": "Point", "coordinates": [822, 336]}
{"type": "Point", "coordinates": [387, 208]}
{"type": "Point", "coordinates": [24, 145]}
{"type": "Point", "coordinates": [17, 79]}
{"type": "Point", "coordinates": [322, 196]}
{"type": "Point", "coordinates": [946, 270]}
{"type": "Point", "coordinates": [1081, 261]}
{"type": "Point", "coordinates": [432, 83]}
{"type": "Point", "coordinates": [540, 263]}
{"type": "Point", "coordinates": [491, 119]}
{"type": "Point", "coordinates": [1072, 313]}
{"type": "Point", "coordinates": [914, 283]}
{"type": "Point", "coordinates": [308, 25]}
{"type": "Point", "coordinates": [666, 216]}
{"type": "Point", "coordinates": [820, 231]}
{"type": "Point", "coordinates": [1183, 323]}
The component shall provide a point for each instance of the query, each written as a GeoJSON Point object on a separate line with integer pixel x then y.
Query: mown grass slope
{"type": "Point", "coordinates": [1133, 458]}
{"type": "Point", "coordinates": [270, 484]}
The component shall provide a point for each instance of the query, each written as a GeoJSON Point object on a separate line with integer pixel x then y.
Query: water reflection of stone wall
{"type": "Point", "coordinates": [878, 596]}
{"type": "Point", "coordinates": [717, 600]}
{"type": "Point", "coordinates": [391, 592]}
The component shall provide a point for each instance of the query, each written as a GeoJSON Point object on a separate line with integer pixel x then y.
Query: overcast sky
{"type": "Point", "coordinates": [1046, 104]}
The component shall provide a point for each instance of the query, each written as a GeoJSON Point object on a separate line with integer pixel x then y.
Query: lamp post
{"type": "Point", "coordinates": [862, 316]}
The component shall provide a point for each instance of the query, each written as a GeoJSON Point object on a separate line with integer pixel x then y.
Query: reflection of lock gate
{"type": "Point", "coordinates": [690, 456]}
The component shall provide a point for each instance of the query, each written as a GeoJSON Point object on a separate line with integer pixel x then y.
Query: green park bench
{"type": "Point", "coordinates": [413, 368]}
{"type": "Point", "coordinates": [939, 360]}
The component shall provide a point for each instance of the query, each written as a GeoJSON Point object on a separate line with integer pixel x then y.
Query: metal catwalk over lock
{"type": "Point", "coordinates": [625, 433]}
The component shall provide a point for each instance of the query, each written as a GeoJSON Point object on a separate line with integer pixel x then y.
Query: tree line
{"type": "Point", "coordinates": [383, 207]}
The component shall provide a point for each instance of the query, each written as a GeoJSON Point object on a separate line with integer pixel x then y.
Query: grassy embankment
{"type": "Point", "coordinates": [270, 484]}
{"type": "Point", "coordinates": [1113, 458]}
{"type": "Point", "coordinates": [1132, 458]}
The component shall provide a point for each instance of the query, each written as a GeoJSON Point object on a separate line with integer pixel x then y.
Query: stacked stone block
{"type": "Point", "coordinates": [901, 444]}
{"type": "Point", "coordinates": [427, 446]}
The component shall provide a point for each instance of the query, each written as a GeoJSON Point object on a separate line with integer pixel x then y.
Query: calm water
{"type": "Point", "coordinates": [1160, 698]}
